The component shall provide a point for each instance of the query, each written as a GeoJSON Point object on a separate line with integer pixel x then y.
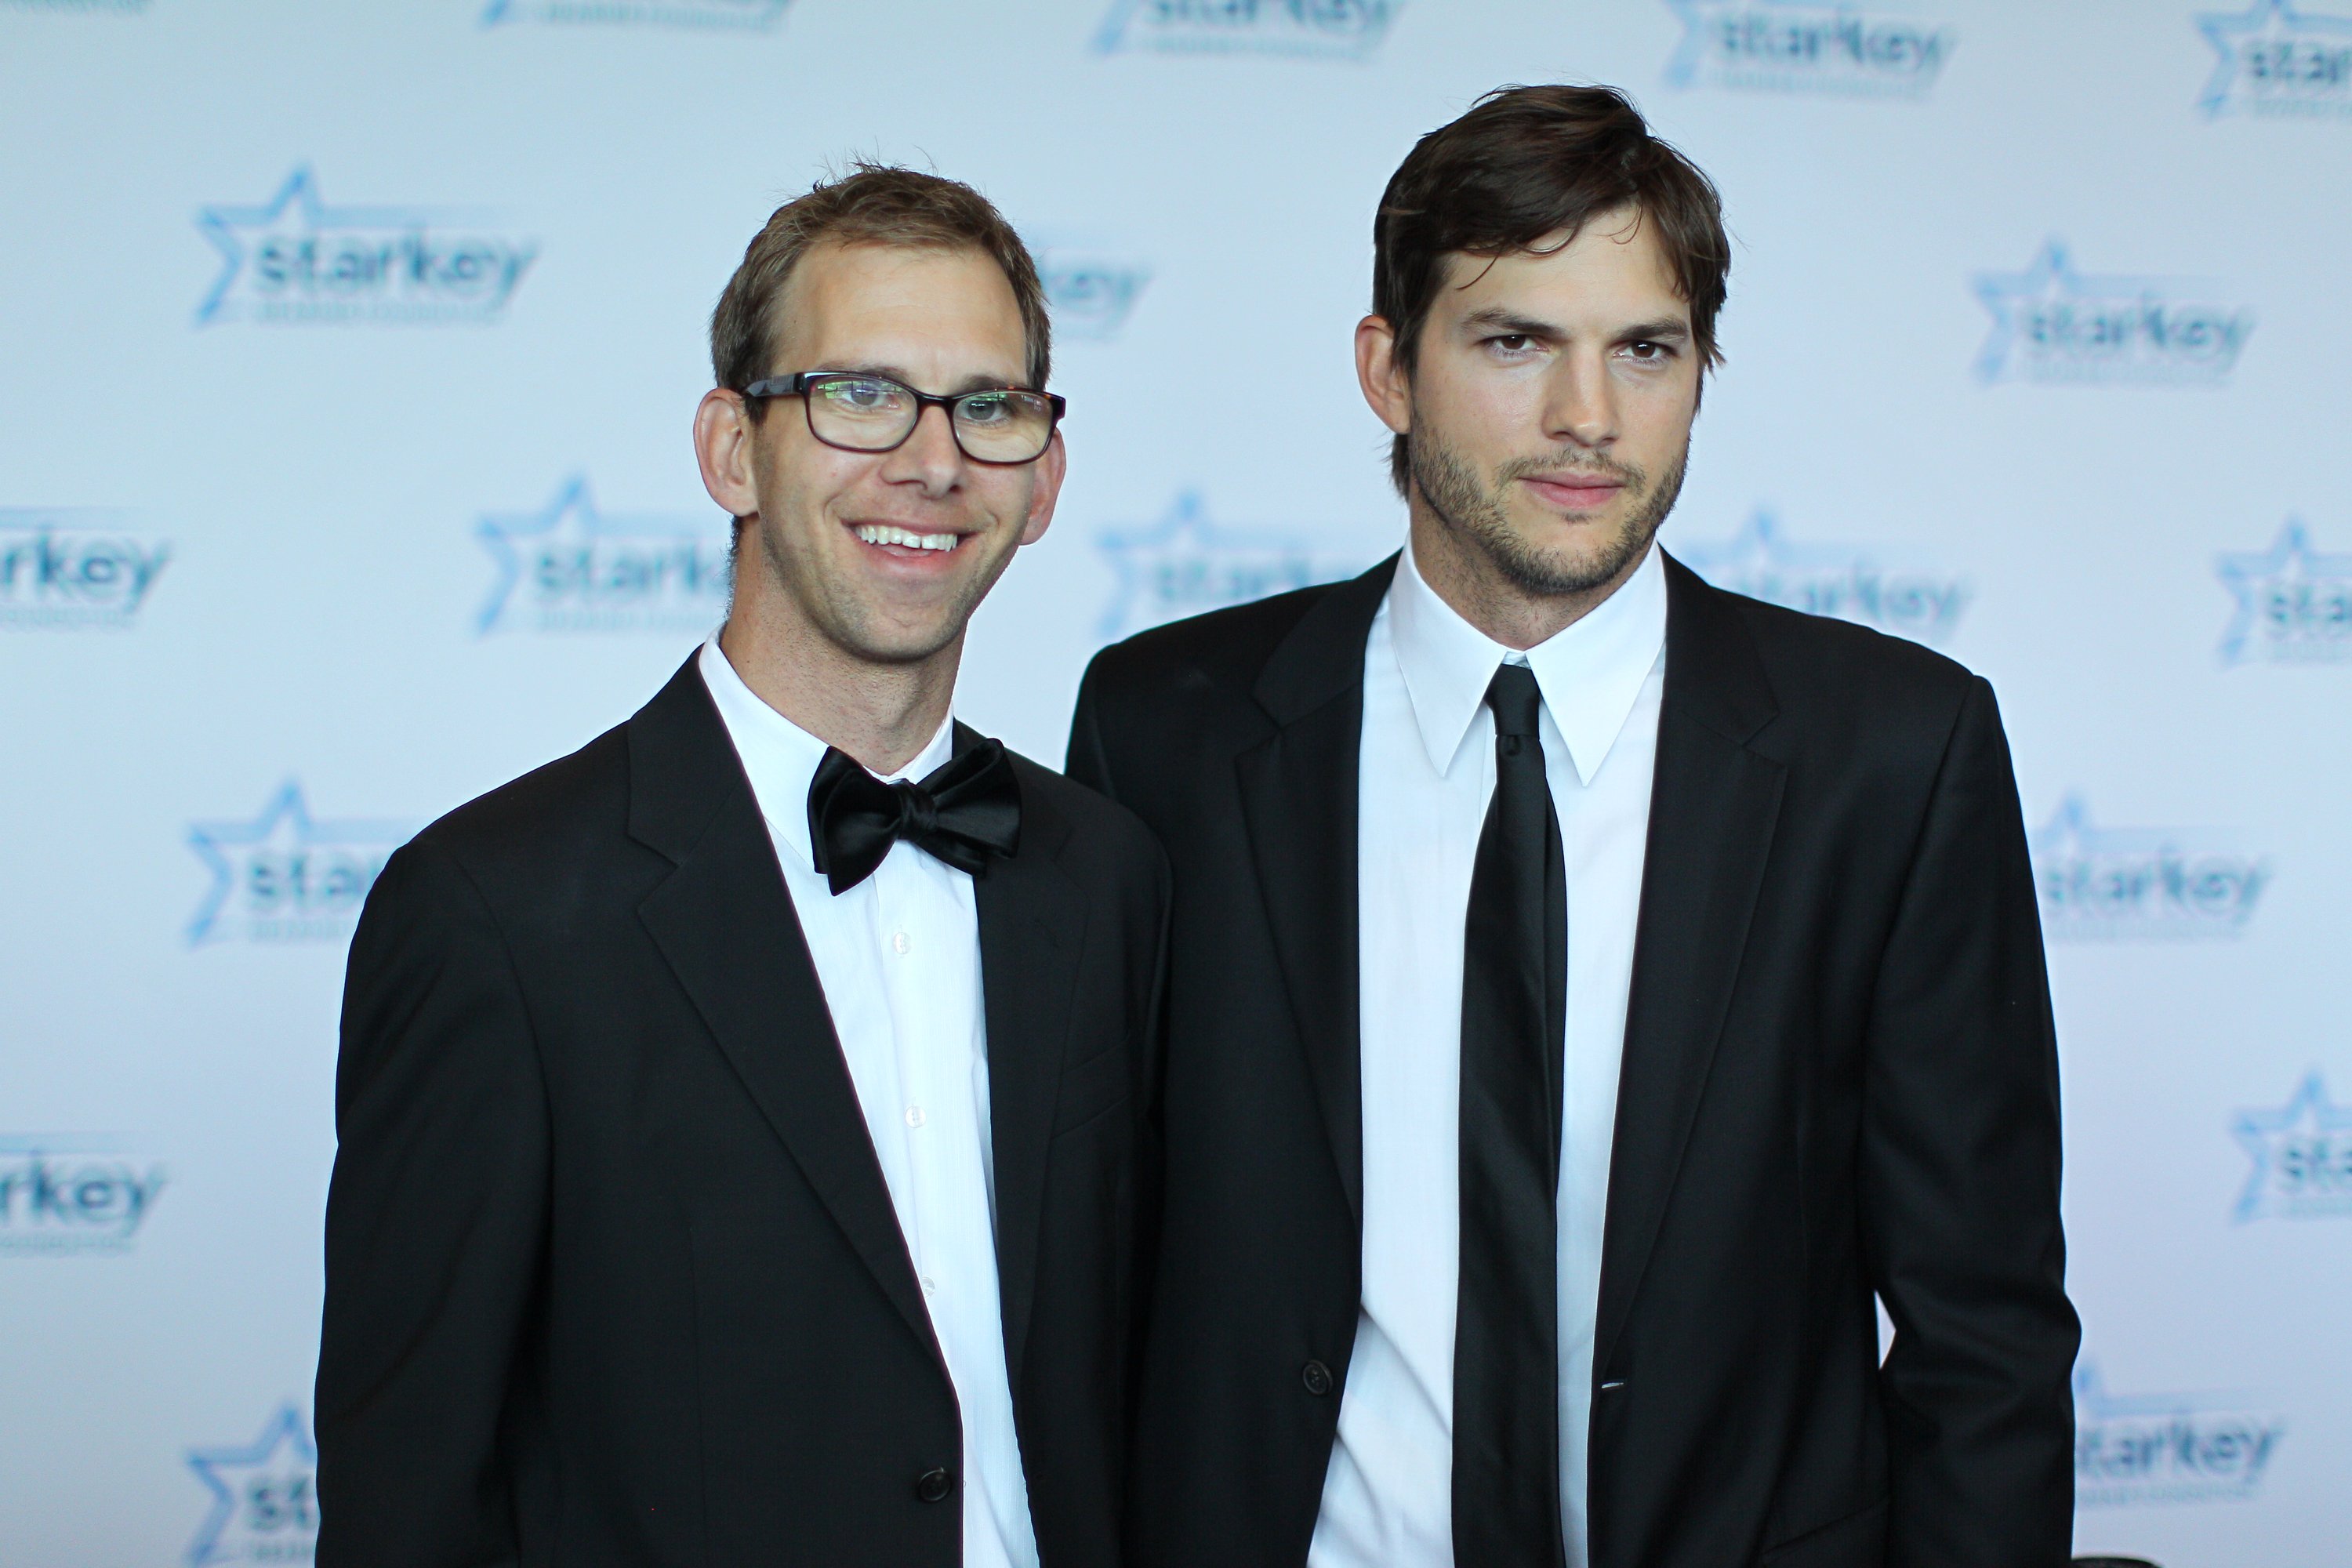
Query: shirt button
{"type": "Point", "coordinates": [929, 1283]}
{"type": "Point", "coordinates": [898, 943]}
{"type": "Point", "coordinates": [914, 1116]}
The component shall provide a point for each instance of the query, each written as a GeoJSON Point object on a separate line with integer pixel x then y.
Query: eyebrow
{"type": "Point", "coordinates": [1494, 318]}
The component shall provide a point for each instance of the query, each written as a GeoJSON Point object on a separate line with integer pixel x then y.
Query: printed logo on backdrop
{"type": "Point", "coordinates": [292, 260]}
{"type": "Point", "coordinates": [67, 569]}
{"type": "Point", "coordinates": [2140, 884]}
{"type": "Point", "coordinates": [1090, 293]}
{"type": "Point", "coordinates": [2054, 324]}
{"type": "Point", "coordinates": [1846, 580]}
{"type": "Point", "coordinates": [1328, 29]}
{"type": "Point", "coordinates": [1184, 564]}
{"type": "Point", "coordinates": [2278, 60]}
{"type": "Point", "coordinates": [569, 567]}
{"type": "Point", "coordinates": [64, 1196]}
{"type": "Point", "coordinates": [265, 1500]}
{"type": "Point", "coordinates": [2132, 1450]}
{"type": "Point", "coordinates": [2295, 602]}
{"type": "Point", "coordinates": [284, 875]}
{"type": "Point", "coordinates": [2302, 1154]}
{"type": "Point", "coordinates": [1790, 45]}
{"type": "Point", "coordinates": [738, 16]}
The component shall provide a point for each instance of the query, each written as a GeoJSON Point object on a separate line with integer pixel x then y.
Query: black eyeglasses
{"type": "Point", "coordinates": [861, 412]}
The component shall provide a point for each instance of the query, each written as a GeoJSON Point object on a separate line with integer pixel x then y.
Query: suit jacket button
{"type": "Point", "coordinates": [933, 1486]}
{"type": "Point", "coordinates": [1317, 1378]}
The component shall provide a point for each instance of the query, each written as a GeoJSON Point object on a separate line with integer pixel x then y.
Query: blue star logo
{"type": "Point", "coordinates": [1762, 562]}
{"type": "Point", "coordinates": [582, 560]}
{"type": "Point", "coordinates": [2299, 598]}
{"type": "Point", "coordinates": [2076, 326]}
{"type": "Point", "coordinates": [265, 1508]}
{"type": "Point", "coordinates": [1330, 29]}
{"type": "Point", "coordinates": [1184, 564]}
{"type": "Point", "coordinates": [743, 14]}
{"type": "Point", "coordinates": [296, 210]}
{"type": "Point", "coordinates": [2302, 1155]}
{"type": "Point", "coordinates": [2286, 60]}
{"type": "Point", "coordinates": [272, 855]}
{"type": "Point", "coordinates": [1091, 294]}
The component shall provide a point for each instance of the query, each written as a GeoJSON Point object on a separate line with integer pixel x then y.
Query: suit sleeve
{"type": "Point", "coordinates": [436, 1228]}
{"type": "Point", "coordinates": [1960, 1186]}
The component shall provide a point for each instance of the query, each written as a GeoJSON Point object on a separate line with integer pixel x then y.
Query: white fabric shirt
{"type": "Point", "coordinates": [898, 957]}
{"type": "Point", "coordinates": [1427, 769]}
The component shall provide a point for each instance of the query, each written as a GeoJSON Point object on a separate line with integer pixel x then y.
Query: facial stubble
{"type": "Point", "coordinates": [1475, 514]}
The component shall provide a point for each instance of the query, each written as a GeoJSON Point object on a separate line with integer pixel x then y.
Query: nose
{"type": "Point", "coordinates": [1580, 405]}
{"type": "Point", "coordinates": [928, 457]}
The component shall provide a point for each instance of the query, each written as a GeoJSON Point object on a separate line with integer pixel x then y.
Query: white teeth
{"type": "Point", "coordinates": [883, 533]}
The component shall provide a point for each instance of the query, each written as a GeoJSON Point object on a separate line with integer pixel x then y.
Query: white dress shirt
{"type": "Point", "coordinates": [1427, 769]}
{"type": "Point", "coordinates": [898, 957]}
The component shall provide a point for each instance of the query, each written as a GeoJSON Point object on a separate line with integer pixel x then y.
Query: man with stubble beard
{"type": "Point", "coordinates": [1588, 987]}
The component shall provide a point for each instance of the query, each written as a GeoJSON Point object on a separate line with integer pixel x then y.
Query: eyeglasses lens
{"type": "Point", "coordinates": [871, 413]}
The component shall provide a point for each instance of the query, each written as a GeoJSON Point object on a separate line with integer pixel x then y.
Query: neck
{"type": "Point", "coordinates": [881, 714]}
{"type": "Point", "coordinates": [1477, 589]}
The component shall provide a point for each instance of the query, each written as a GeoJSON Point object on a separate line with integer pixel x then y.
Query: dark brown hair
{"type": "Point", "coordinates": [871, 205]}
{"type": "Point", "coordinates": [1525, 163]}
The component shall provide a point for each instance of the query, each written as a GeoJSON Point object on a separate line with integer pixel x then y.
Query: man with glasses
{"type": "Point", "coordinates": [743, 1120]}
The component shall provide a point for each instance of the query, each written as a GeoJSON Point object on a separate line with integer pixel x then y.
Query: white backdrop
{"type": "Point", "coordinates": [347, 353]}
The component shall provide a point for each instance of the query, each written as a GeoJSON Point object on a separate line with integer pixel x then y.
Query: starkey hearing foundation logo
{"type": "Point", "coordinates": [65, 568]}
{"type": "Point", "coordinates": [2295, 602]}
{"type": "Point", "coordinates": [1184, 564]}
{"type": "Point", "coordinates": [2137, 884]}
{"type": "Point", "coordinates": [1849, 581]}
{"type": "Point", "coordinates": [264, 1498]}
{"type": "Point", "coordinates": [2302, 1154]}
{"type": "Point", "coordinates": [735, 16]}
{"type": "Point", "coordinates": [285, 876]}
{"type": "Point", "coordinates": [2051, 324]}
{"type": "Point", "coordinates": [63, 1196]}
{"type": "Point", "coordinates": [293, 260]}
{"type": "Point", "coordinates": [1794, 45]}
{"type": "Point", "coordinates": [1090, 292]}
{"type": "Point", "coordinates": [1327, 29]}
{"type": "Point", "coordinates": [2144, 1449]}
{"type": "Point", "coordinates": [2274, 60]}
{"type": "Point", "coordinates": [569, 567]}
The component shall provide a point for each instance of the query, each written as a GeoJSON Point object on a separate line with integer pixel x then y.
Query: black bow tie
{"type": "Point", "coordinates": [962, 814]}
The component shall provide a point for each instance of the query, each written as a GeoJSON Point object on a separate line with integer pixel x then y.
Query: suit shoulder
{"type": "Point", "coordinates": [1223, 648]}
{"type": "Point", "coordinates": [1819, 661]}
{"type": "Point", "coordinates": [549, 814]}
{"type": "Point", "coordinates": [1099, 826]}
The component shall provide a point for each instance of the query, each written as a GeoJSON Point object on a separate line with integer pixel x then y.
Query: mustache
{"type": "Point", "coordinates": [1592, 464]}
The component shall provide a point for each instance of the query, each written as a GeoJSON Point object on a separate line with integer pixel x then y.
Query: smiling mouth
{"type": "Point", "coordinates": [907, 538]}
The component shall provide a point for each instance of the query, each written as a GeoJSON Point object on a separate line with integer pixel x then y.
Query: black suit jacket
{"type": "Point", "coordinates": [1839, 1078]}
{"type": "Point", "coordinates": [612, 1277]}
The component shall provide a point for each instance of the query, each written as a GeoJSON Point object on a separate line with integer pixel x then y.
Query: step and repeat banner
{"type": "Point", "coordinates": [349, 352]}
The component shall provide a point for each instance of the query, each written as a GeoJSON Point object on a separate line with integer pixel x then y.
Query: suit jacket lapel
{"type": "Point", "coordinates": [1298, 790]}
{"type": "Point", "coordinates": [1033, 929]}
{"type": "Point", "coordinates": [725, 924]}
{"type": "Point", "coordinates": [1713, 806]}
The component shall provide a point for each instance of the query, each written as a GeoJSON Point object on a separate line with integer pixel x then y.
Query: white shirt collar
{"type": "Point", "coordinates": [1589, 672]}
{"type": "Point", "coordinates": [781, 758]}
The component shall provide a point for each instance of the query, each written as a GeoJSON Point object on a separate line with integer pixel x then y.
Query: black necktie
{"type": "Point", "coordinates": [1514, 1018]}
{"type": "Point", "coordinates": [967, 810]}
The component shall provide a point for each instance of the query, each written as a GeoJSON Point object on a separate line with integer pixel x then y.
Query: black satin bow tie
{"type": "Point", "coordinates": [963, 813]}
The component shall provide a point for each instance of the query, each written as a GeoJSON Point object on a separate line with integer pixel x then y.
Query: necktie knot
{"type": "Point", "coordinates": [965, 813]}
{"type": "Point", "coordinates": [1517, 701]}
